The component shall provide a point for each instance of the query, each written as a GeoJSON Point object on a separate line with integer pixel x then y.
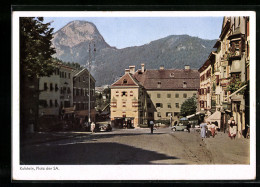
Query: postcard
{"type": "Point", "coordinates": [133, 95]}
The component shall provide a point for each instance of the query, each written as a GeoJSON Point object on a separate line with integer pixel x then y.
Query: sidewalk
{"type": "Point", "coordinates": [227, 151]}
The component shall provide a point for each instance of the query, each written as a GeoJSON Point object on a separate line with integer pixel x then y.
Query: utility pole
{"type": "Point", "coordinates": [89, 68]}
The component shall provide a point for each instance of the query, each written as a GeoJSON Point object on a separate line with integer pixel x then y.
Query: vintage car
{"type": "Point", "coordinates": [180, 127]}
{"type": "Point", "coordinates": [105, 127]}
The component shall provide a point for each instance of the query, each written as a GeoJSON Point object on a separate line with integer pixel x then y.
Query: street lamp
{"type": "Point", "coordinates": [89, 66]}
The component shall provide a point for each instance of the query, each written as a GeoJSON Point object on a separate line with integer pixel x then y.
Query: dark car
{"type": "Point", "coordinates": [105, 127]}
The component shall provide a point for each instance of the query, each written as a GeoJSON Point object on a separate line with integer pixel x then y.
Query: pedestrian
{"type": "Point", "coordinates": [232, 128]}
{"type": "Point", "coordinates": [92, 127]}
{"type": "Point", "coordinates": [151, 126]}
{"type": "Point", "coordinates": [203, 127]}
{"type": "Point", "coordinates": [212, 129]}
{"type": "Point", "coordinates": [208, 129]}
{"type": "Point", "coordinates": [188, 127]}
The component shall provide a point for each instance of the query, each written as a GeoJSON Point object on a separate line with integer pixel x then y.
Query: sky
{"type": "Point", "coordinates": [121, 32]}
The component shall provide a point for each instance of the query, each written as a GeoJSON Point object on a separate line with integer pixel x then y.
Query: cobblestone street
{"type": "Point", "coordinates": [133, 146]}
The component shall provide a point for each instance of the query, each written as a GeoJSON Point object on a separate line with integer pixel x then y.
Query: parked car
{"type": "Point", "coordinates": [105, 127]}
{"type": "Point", "coordinates": [180, 127]}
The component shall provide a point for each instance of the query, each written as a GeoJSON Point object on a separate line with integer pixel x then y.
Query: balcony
{"type": "Point", "coordinates": [224, 81]}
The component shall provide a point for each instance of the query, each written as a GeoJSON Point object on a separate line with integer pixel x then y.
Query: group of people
{"type": "Point", "coordinates": [209, 128]}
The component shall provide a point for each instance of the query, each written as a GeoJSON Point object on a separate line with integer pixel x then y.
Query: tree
{"type": "Point", "coordinates": [35, 61]}
{"type": "Point", "coordinates": [35, 47]}
{"type": "Point", "coordinates": [189, 106]}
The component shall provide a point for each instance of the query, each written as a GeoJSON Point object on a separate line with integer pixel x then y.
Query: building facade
{"type": "Point", "coordinates": [145, 95]}
{"type": "Point", "coordinates": [230, 72]}
{"type": "Point", "coordinates": [206, 87]}
{"type": "Point", "coordinates": [81, 94]}
{"type": "Point", "coordinates": [56, 91]}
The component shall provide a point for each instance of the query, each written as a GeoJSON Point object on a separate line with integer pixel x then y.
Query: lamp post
{"type": "Point", "coordinates": [89, 67]}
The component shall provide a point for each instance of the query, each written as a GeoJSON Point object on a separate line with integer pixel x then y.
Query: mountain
{"type": "Point", "coordinates": [175, 51]}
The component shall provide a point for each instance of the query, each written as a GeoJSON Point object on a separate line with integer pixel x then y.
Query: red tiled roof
{"type": "Point", "coordinates": [170, 79]}
{"type": "Point", "coordinates": [130, 81]}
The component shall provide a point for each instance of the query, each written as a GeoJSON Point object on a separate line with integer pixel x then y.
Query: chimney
{"type": "Point", "coordinates": [187, 67]}
{"type": "Point", "coordinates": [161, 67]}
{"type": "Point", "coordinates": [127, 71]}
{"type": "Point", "coordinates": [142, 68]}
{"type": "Point", "coordinates": [132, 69]}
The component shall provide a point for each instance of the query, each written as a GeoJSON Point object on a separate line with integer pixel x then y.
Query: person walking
{"type": "Point", "coordinates": [232, 128]}
{"type": "Point", "coordinates": [92, 127]}
{"type": "Point", "coordinates": [203, 127]}
{"type": "Point", "coordinates": [212, 129]}
{"type": "Point", "coordinates": [188, 127]}
{"type": "Point", "coordinates": [151, 126]}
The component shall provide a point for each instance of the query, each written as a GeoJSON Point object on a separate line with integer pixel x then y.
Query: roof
{"type": "Point", "coordinates": [126, 80]}
{"type": "Point", "coordinates": [81, 71]}
{"type": "Point", "coordinates": [168, 79]}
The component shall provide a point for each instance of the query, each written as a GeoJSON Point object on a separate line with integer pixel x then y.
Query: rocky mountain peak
{"type": "Point", "coordinates": [76, 32]}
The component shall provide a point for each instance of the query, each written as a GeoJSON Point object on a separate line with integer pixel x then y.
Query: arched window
{"type": "Point", "coordinates": [124, 81]}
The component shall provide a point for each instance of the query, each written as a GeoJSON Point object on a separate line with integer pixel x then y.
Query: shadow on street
{"type": "Point", "coordinates": [83, 153]}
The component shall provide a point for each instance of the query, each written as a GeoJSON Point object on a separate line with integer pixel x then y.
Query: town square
{"type": "Point", "coordinates": [135, 91]}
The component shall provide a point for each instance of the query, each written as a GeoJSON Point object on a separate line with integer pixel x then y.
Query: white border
{"type": "Point", "coordinates": [133, 172]}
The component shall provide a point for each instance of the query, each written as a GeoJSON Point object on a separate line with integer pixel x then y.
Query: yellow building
{"type": "Point", "coordinates": [144, 95]}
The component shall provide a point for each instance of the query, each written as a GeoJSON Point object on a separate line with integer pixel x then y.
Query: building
{"type": "Point", "coordinates": [230, 72]}
{"type": "Point", "coordinates": [55, 91]}
{"type": "Point", "coordinates": [206, 87]}
{"type": "Point", "coordinates": [49, 97]}
{"type": "Point", "coordinates": [81, 94]}
{"type": "Point", "coordinates": [127, 97]}
{"type": "Point", "coordinates": [144, 95]}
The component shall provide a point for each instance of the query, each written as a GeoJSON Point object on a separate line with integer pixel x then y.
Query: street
{"type": "Point", "coordinates": [134, 146]}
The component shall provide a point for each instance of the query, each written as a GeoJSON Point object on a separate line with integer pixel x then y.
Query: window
{"type": "Point", "coordinates": [51, 87]}
{"type": "Point", "coordinates": [158, 95]}
{"type": "Point", "coordinates": [177, 105]}
{"type": "Point", "coordinates": [176, 95]}
{"type": "Point", "coordinates": [50, 103]}
{"type": "Point", "coordinates": [149, 105]}
{"type": "Point", "coordinates": [45, 86]}
{"type": "Point", "coordinates": [117, 93]}
{"type": "Point", "coordinates": [56, 87]}
{"type": "Point", "coordinates": [131, 93]}
{"type": "Point", "coordinates": [184, 95]}
{"type": "Point", "coordinates": [159, 84]}
{"type": "Point", "coordinates": [124, 104]}
{"type": "Point", "coordinates": [56, 103]}
{"type": "Point", "coordinates": [172, 75]}
{"type": "Point", "coordinates": [124, 81]}
{"type": "Point", "coordinates": [184, 84]}
{"type": "Point", "coordinates": [169, 105]}
{"type": "Point", "coordinates": [168, 114]}
{"type": "Point", "coordinates": [124, 93]}
{"type": "Point", "coordinates": [169, 95]}
{"type": "Point", "coordinates": [159, 105]}
{"type": "Point", "coordinates": [65, 75]}
{"type": "Point", "coordinates": [69, 75]}
{"type": "Point", "coordinates": [159, 114]}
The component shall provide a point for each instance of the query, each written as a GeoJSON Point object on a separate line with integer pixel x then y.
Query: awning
{"type": "Point", "coordinates": [216, 116]}
{"type": "Point", "coordinates": [190, 116]}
